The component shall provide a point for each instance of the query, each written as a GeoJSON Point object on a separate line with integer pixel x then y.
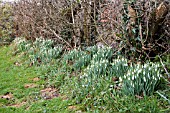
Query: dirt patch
{"type": "Point", "coordinates": [7, 96]}
{"type": "Point", "coordinates": [49, 93]}
{"type": "Point", "coordinates": [31, 85]}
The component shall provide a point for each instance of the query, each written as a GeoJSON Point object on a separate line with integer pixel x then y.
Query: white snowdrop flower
{"type": "Point", "coordinates": [111, 85]}
{"type": "Point", "coordinates": [133, 77]}
{"type": "Point", "coordinates": [133, 73]}
{"type": "Point", "coordinates": [128, 73]}
{"type": "Point", "coordinates": [125, 76]}
{"type": "Point", "coordinates": [159, 77]}
{"type": "Point", "coordinates": [125, 64]}
{"type": "Point", "coordinates": [85, 75]}
{"type": "Point", "coordinates": [145, 66]}
{"type": "Point", "coordinates": [131, 83]}
{"type": "Point", "coordinates": [144, 79]}
{"type": "Point", "coordinates": [148, 76]}
{"type": "Point", "coordinates": [120, 84]}
{"type": "Point", "coordinates": [83, 85]}
{"type": "Point", "coordinates": [153, 77]}
{"type": "Point", "coordinates": [120, 79]}
{"type": "Point", "coordinates": [158, 73]}
{"type": "Point", "coordinates": [128, 78]}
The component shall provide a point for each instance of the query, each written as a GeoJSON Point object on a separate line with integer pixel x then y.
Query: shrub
{"type": "Point", "coordinates": [6, 21]}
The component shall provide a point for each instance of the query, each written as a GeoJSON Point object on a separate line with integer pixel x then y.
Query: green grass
{"type": "Point", "coordinates": [12, 80]}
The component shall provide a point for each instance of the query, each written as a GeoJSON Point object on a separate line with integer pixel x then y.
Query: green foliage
{"type": "Point", "coordinates": [73, 55]}
{"type": "Point", "coordinates": [22, 44]}
{"type": "Point", "coordinates": [89, 55]}
{"type": "Point", "coordinates": [119, 66]}
{"type": "Point", "coordinates": [40, 51]}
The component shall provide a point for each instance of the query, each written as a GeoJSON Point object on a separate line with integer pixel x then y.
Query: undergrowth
{"type": "Point", "coordinates": [95, 80]}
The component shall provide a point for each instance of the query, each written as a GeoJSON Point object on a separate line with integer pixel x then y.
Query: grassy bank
{"type": "Point", "coordinates": [69, 83]}
{"type": "Point", "coordinates": [22, 88]}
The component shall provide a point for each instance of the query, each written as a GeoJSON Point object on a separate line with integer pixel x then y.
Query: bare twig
{"type": "Point", "coordinates": [60, 37]}
{"type": "Point", "coordinates": [164, 67]}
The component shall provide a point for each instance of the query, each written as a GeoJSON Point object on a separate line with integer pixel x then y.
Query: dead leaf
{"type": "Point", "coordinates": [31, 85]}
{"type": "Point", "coordinates": [139, 97]}
{"type": "Point", "coordinates": [117, 87]}
{"type": "Point", "coordinates": [17, 64]}
{"type": "Point", "coordinates": [64, 98]}
{"type": "Point", "coordinates": [7, 96]}
{"type": "Point", "coordinates": [18, 105]}
{"type": "Point", "coordinates": [36, 79]}
{"type": "Point", "coordinates": [49, 93]}
{"type": "Point", "coordinates": [161, 11]}
{"type": "Point", "coordinates": [31, 64]}
{"type": "Point", "coordinates": [115, 79]}
{"type": "Point", "coordinates": [72, 107]}
{"type": "Point", "coordinates": [132, 15]}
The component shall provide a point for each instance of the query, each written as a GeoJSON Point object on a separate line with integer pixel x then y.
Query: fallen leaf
{"type": "Point", "coordinates": [36, 79]}
{"type": "Point", "coordinates": [31, 64]}
{"type": "Point", "coordinates": [64, 98]}
{"type": "Point", "coordinates": [117, 87]}
{"type": "Point", "coordinates": [18, 105]}
{"type": "Point", "coordinates": [115, 79]}
{"type": "Point", "coordinates": [7, 96]}
{"type": "Point", "coordinates": [49, 93]}
{"type": "Point", "coordinates": [31, 85]}
{"type": "Point", "coordinates": [17, 64]}
{"type": "Point", "coordinates": [139, 97]}
{"type": "Point", "coordinates": [72, 107]}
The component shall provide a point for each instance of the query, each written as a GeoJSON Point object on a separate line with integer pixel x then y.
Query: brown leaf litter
{"type": "Point", "coordinates": [49, 93]}
{"type": "Point", "coordinates": [7, 96]}
{"type": "Point", "coordinates": [30, 85]}
{"type": "Point", "coordinates": [72, 107]}
{"type": "Point", "coordinates": [17, 64]}
{"type": "Point", "coordinates": [18, 105]}
{"type": "Point", "coordinates": [36, 79]}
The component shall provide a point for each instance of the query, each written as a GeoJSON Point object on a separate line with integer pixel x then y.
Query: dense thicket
{"type": "Point", "coordinates": [137, 28]}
